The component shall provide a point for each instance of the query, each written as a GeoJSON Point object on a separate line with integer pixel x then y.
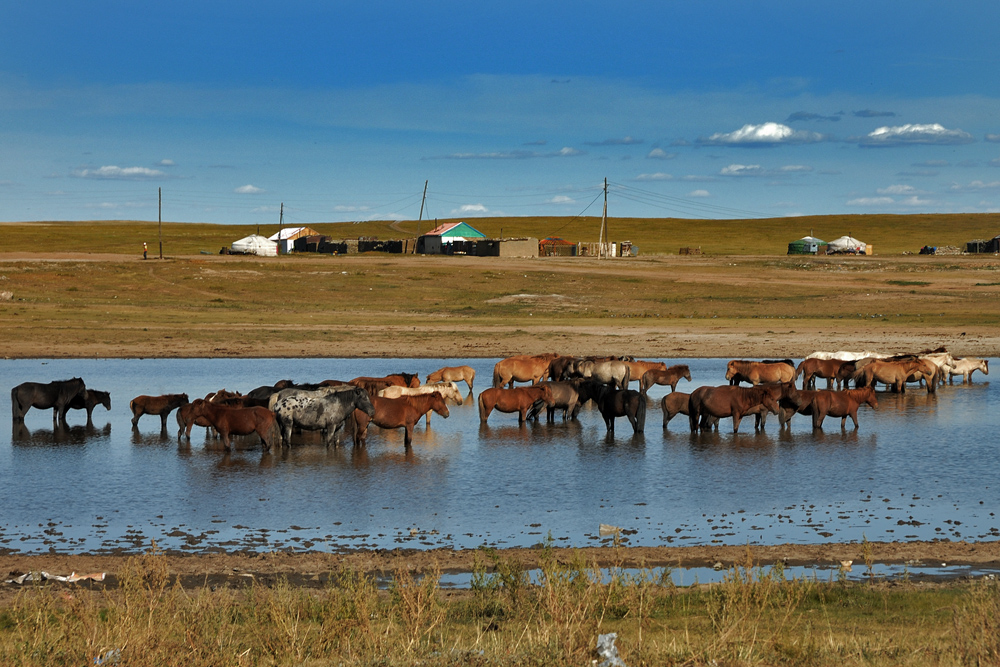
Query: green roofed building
{"type": "Point", "coordinates": [451, 233]}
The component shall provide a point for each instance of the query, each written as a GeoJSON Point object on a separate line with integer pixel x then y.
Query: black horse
{"type": "Point", "coordinates": [622, 403]}
{"type": "Point", "coordinates": [56, 395]}
{"type": "Point", "coordinates": [92, 399]}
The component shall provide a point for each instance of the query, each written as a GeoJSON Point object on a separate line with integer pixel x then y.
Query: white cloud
{"type": "Point", "coordinates": [796, 169]}
{"type": "Point", "coordinates": [248, 190]}
{"type": "Point", "coordinates": [872, 201]}
{"type": "Point", "coordinates": [993, 137]}
{"type": "Point", "coordinates": [561, 199]}
{"type": "Point", "coordinates": [660, 154]}
{"type": "Point", "coordinates": [742, 170]}
{"type": "Point", "coordinates": [511, 155]}
{"type": "Point", "coordinates": [470, 209]}
{"type": "Point", "coordinates": [112, 172]}
{"type": "Point", "coordinates": [915, 133]}
{"type": "Point", "coordinates": [699, 193]}
{"type": "Point", "coordinates": [625, 141]}
{"type": "Point", "coordinates": [658, 176]}
{"type": "Point", "coordinates": [915, 201]}
{"type": "Point", "coordinates": [975, 186]}
{"type": "Point", "coordinates": [899, 190]}
{"type": "Point", "coordinates": [766, 134]}
{"type": "Point", "coordinates": [167, 163]}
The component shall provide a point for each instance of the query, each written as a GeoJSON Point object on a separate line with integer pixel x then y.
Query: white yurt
{"type": "Point", "coordinates": [847, 244]}
{"type": "Point", "coordinates": [255, 245]}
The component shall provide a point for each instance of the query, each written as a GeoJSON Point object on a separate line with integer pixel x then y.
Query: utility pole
{"type": "Point", "coordinates": [602, 241]}
{"type": "Point", "coordinates": [421, 216]}
{"type": "Point", "coordinates": [159, 217]}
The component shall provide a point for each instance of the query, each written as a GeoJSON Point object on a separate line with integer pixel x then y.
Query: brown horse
{"type": "Point", "coordinates": [156, 405]}
{"type": "Point", "coordinates": [669, 377]}
{"type": "Point", "coordinates": [794, 401]}
{"type": "Point", "coordinates": [830, 369]}
{"type": "Point", "coordinates": [522, 368]}
{"type": "Point", "coordinates": [927, 372]}
{"type": "Point", "coordinates": [728, 401]}
{"type": "Point", "coordinates": [465, 374]}
{"type": "Point", "coordinates": [622, 403]}
{"type": "Point", "coordinates": [374, 385]}
{"type": "Point", "coordinates": [519, 400]}
{"type": "Point", "coordinates": [757, 372]}
{"type": "Point", "coordinates": [892, 373]}
{"type": "Point", "coordinates": [673, 404]}
{"type": "Point", "coordinates": [638, 368]}
{"type": "Point", "coordinates": [239, 421]}
{"type": "Point", "coordinates": [403, 412]}
{"type": "Point", "coordinates": [841, 404]}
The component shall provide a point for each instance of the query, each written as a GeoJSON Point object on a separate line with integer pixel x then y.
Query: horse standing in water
{"type": "Point", "coordinates": [757, 372]}
{"type": "Point", "coordinates": [91, 400]}
{"type": "Point", "coordinates": [465, 374]}
{"type": "Point", "coordinates": [830, 369]}
{"type": "Point", "coordinates": [965, 367]}
{"type": "Point", "coordinates": [706, 403]}
{"type": "Point", "coordinates": [518, 399]}
{"type": "Point", "coordinates": [403, 412]}
{"type": "Point", "coordinates": [841, 404]}
{"type": "Point", "coordinates": [671, 376]}
{"type": "Point", "coordinates": [522, 368]}
{"type": "Point", "coordinates": [56, 395]}
{"type": "Point", "coordinates": [622, 403]}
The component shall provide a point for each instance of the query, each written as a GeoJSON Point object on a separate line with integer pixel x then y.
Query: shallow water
{"type": "Point", "coordinates": [921, 467]}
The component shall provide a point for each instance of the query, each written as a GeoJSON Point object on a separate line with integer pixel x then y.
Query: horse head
{"type": "Point", "coordinates": [687, 373]}
{"type": "Point", "coordinates": [438, 405]}
{"type": "Point", "coordinates": [731, 370]}
{"type": "Point", "coordinates": [363, 402]}
{"type": "Point", "coordinates": [870, 398]}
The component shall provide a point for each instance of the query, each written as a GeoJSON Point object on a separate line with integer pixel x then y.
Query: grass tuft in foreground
{"type": "Point", "coordinates": [755, 616]}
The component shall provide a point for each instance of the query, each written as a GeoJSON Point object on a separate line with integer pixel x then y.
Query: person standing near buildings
{"type": "Point", "coordinates": [144, 250]}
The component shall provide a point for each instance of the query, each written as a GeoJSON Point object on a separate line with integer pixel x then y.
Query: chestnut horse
{"type": "Point", "coordinates": [239, 421]}
{"type": "Point", "coordinates": [156, 405]}
{"type": "Point", "coordinates": [638, 368]}
{"type": "Point", "coordinates": [374, 385]}
{"type": "Point", "coordinates": [893, 373]}
{"type": "Point", "coordinates": [671, 376]}
{"type": "Point", "coordinates": [518, 399]}
{"type": "Point", "coordinates": [757, 372]}
{"type": "Point", "coordinates": [403, 412]}
{"type": "Point", "coordinates": [673, 404]}
{"type": "Point", "coordinates": [841, 404]}
{"type": "Point", "coordinates": [830, 369]}
{"type": "Point", "coordinates": [465, 374]}
{"type": "Point", "coordinates": [448, 390]}
{"type": "Point", "coordinates": [522, 368]}
{"type": "Point", "coordinates": [728, 401]}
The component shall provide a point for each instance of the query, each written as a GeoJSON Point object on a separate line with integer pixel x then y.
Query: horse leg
{"type": "Point", "coordinates": [737, 418]}
{"type": "Point", "coordinates": [407, 435]}
{"type": "Point", "coordinates": [818, 416]}
{"type": "Point", "coordinates": [135, 417]}
{"type": "Point", "coordinates": [225, 439]}
{"type": "Point", "coordinates": [163, 421]}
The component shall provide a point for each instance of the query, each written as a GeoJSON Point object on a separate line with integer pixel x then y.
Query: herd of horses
{"type": "Point", "coordinates": [556, 382]}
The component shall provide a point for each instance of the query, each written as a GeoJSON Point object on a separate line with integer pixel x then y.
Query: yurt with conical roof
{"type": "Point", "coordinates": [807, 245]}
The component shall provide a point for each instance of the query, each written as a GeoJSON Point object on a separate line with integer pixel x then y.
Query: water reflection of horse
{"type": "Point", "coordinates": [61, 433]}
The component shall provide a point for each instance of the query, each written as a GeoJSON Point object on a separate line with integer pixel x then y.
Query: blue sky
{"type": "Point", "coordinates": [342, 110]}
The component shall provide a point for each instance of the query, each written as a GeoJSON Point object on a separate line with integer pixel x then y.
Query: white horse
{"type": "Point", "coordinates": [843, 355]}
{"type": "Point", "coordinates": [942, 360]}
{"type": "Point", "coordinates": [610, 372]}
{"type": "Point", "coordinates": [965, 368]}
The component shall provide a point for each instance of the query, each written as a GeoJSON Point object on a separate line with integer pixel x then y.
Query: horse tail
{"type": "Point", "coordinates": [15, 405]}
{"type": "Point", "coordinates": [131, 406]}
{"type": "Point", "coordinates": [693, 409]}
{"type": "Point", "coordinates": [798, 371]}
{"type": "Point", "coordinates": [627, 377]}
{"type": "Point", "coordinates": [482, 406]}
{"type": "Point", "coordinates": [640, 415]}
{"type": "Point", "coordinates": [497, 377]}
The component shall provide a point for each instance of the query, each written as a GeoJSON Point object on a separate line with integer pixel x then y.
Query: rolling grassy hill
{"type": "Point", "coordinates": [890, 234]}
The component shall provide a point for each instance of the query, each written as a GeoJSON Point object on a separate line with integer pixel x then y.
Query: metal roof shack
{"type": "Point", "coordinates": [434, 241]}
{"type": "Point", "coordinates": [285, 238]}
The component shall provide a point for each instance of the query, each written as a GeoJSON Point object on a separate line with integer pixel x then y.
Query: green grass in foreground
{"type": "Point", "coordinates": [890, 234]}
{"type": "Point", "coordinates": [756, 616]}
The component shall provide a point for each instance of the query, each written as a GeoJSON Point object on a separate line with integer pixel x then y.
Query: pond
{"type": "Point", "coordinates": [921, 467]}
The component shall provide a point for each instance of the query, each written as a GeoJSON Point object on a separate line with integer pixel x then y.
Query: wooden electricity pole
{"type": "Point", "coordinates": [602, 241]}
{"type": "Point", "coordinates": [421, 216]}
{"type": "Point", "coordinates": [159, 217]}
